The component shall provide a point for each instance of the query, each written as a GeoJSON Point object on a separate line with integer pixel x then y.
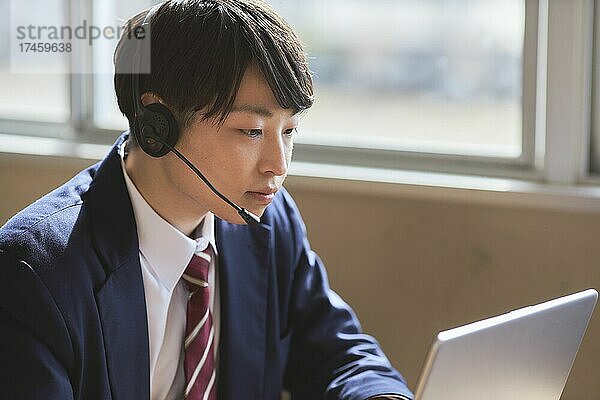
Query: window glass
{"type": "Point", "coordinates": [425, 75]}
{"type": "Point", "coordinates": [32, 96]}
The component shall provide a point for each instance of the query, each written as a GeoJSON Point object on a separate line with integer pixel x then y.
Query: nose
{"type": "Point", "coordinates": [276, 155]}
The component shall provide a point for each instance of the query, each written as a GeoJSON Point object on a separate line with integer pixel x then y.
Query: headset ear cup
{"type": "Point", "coordinates": [157, 120]}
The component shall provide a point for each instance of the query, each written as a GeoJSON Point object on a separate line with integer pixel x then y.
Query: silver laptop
{"type": "Point", "coordinates": [525, 354]}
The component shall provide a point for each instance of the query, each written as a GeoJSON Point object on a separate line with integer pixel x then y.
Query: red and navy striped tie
{"type": "Point", "coordinates": [199, 362]}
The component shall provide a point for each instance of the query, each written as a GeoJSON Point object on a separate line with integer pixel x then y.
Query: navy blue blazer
{"type": "Point", "coordinates": [73, 321]}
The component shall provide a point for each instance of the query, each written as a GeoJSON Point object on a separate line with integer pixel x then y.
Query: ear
{"type": "Point", "coordinates": [149, 98]}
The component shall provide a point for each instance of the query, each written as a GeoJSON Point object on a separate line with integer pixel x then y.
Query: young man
{"type": "Point", "coordinates": [134, 280]}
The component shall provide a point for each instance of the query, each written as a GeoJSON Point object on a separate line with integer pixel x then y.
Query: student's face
{"type": "Point", "coordinates": [249, 154]}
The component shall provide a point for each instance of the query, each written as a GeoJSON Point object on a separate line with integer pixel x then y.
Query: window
{"type": "Point", "coordinates": [594, 154]}
{"type": "Point", "coordinates": [422, 75]}
{"type": "Point", "coordinates": [459, 86]}
{"type": "Point", "coordinates": [32, 96]}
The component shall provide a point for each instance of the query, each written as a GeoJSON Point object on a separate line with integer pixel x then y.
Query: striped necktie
{"type": "Point", "coordinates": [199, 362]}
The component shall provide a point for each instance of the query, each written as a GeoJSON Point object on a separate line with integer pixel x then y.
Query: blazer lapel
{"type": "Point", "coordinates": [243, 285]}
{"type": "Point", "coordinates": [122, 309]}
{"type": "Point", "coordinates": [120, 299]}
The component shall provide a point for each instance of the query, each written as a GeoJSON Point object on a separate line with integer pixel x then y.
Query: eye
{"type": "Point", "coordinates": [251, 132]}
{"type": "Point", "coordinates": [290, 132]}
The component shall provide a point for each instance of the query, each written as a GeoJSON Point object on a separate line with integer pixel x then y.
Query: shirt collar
{"type": "Point", "coordinates": [167, 250]}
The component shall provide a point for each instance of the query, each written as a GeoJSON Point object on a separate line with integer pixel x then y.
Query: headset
{"type": "Point", "coordinates": [155, 127]}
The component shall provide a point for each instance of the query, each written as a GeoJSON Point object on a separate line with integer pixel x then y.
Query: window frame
{"type": "Point", "coordinates": [593, 163]}
{"type": "Point", "coordinates": [567, 115]}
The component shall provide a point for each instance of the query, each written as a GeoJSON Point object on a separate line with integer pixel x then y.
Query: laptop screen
{"type": "Point", "coordinates": [524, 354]}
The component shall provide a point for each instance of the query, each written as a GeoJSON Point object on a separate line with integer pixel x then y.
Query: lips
{"type": "Point", "coordinates": [265, 191]}
{"type": "Point", "coordinates": [264, 195]}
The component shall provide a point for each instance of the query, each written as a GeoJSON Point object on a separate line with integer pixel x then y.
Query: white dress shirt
{"type": "Point", "coordinates": [164, 255]}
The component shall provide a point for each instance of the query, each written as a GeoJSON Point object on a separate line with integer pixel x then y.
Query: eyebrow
{"type": "Point", "coordinates": [254, 109]}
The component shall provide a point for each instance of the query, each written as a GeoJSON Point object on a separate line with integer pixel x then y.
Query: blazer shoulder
{"type": "Point", "coordinates": [47, 223]}
{"type": "Point", "coordinates": [39, 251]}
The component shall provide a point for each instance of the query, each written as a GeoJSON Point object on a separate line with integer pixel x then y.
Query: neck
{"type": "Point", "coordinates": [170, 206]}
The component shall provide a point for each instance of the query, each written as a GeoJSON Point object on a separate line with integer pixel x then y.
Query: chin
{"type": "Point", "coordinates": [231, 216]}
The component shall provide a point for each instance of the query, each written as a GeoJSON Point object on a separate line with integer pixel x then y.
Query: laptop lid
{"type": "Point", "coordinates": [524, 354]}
